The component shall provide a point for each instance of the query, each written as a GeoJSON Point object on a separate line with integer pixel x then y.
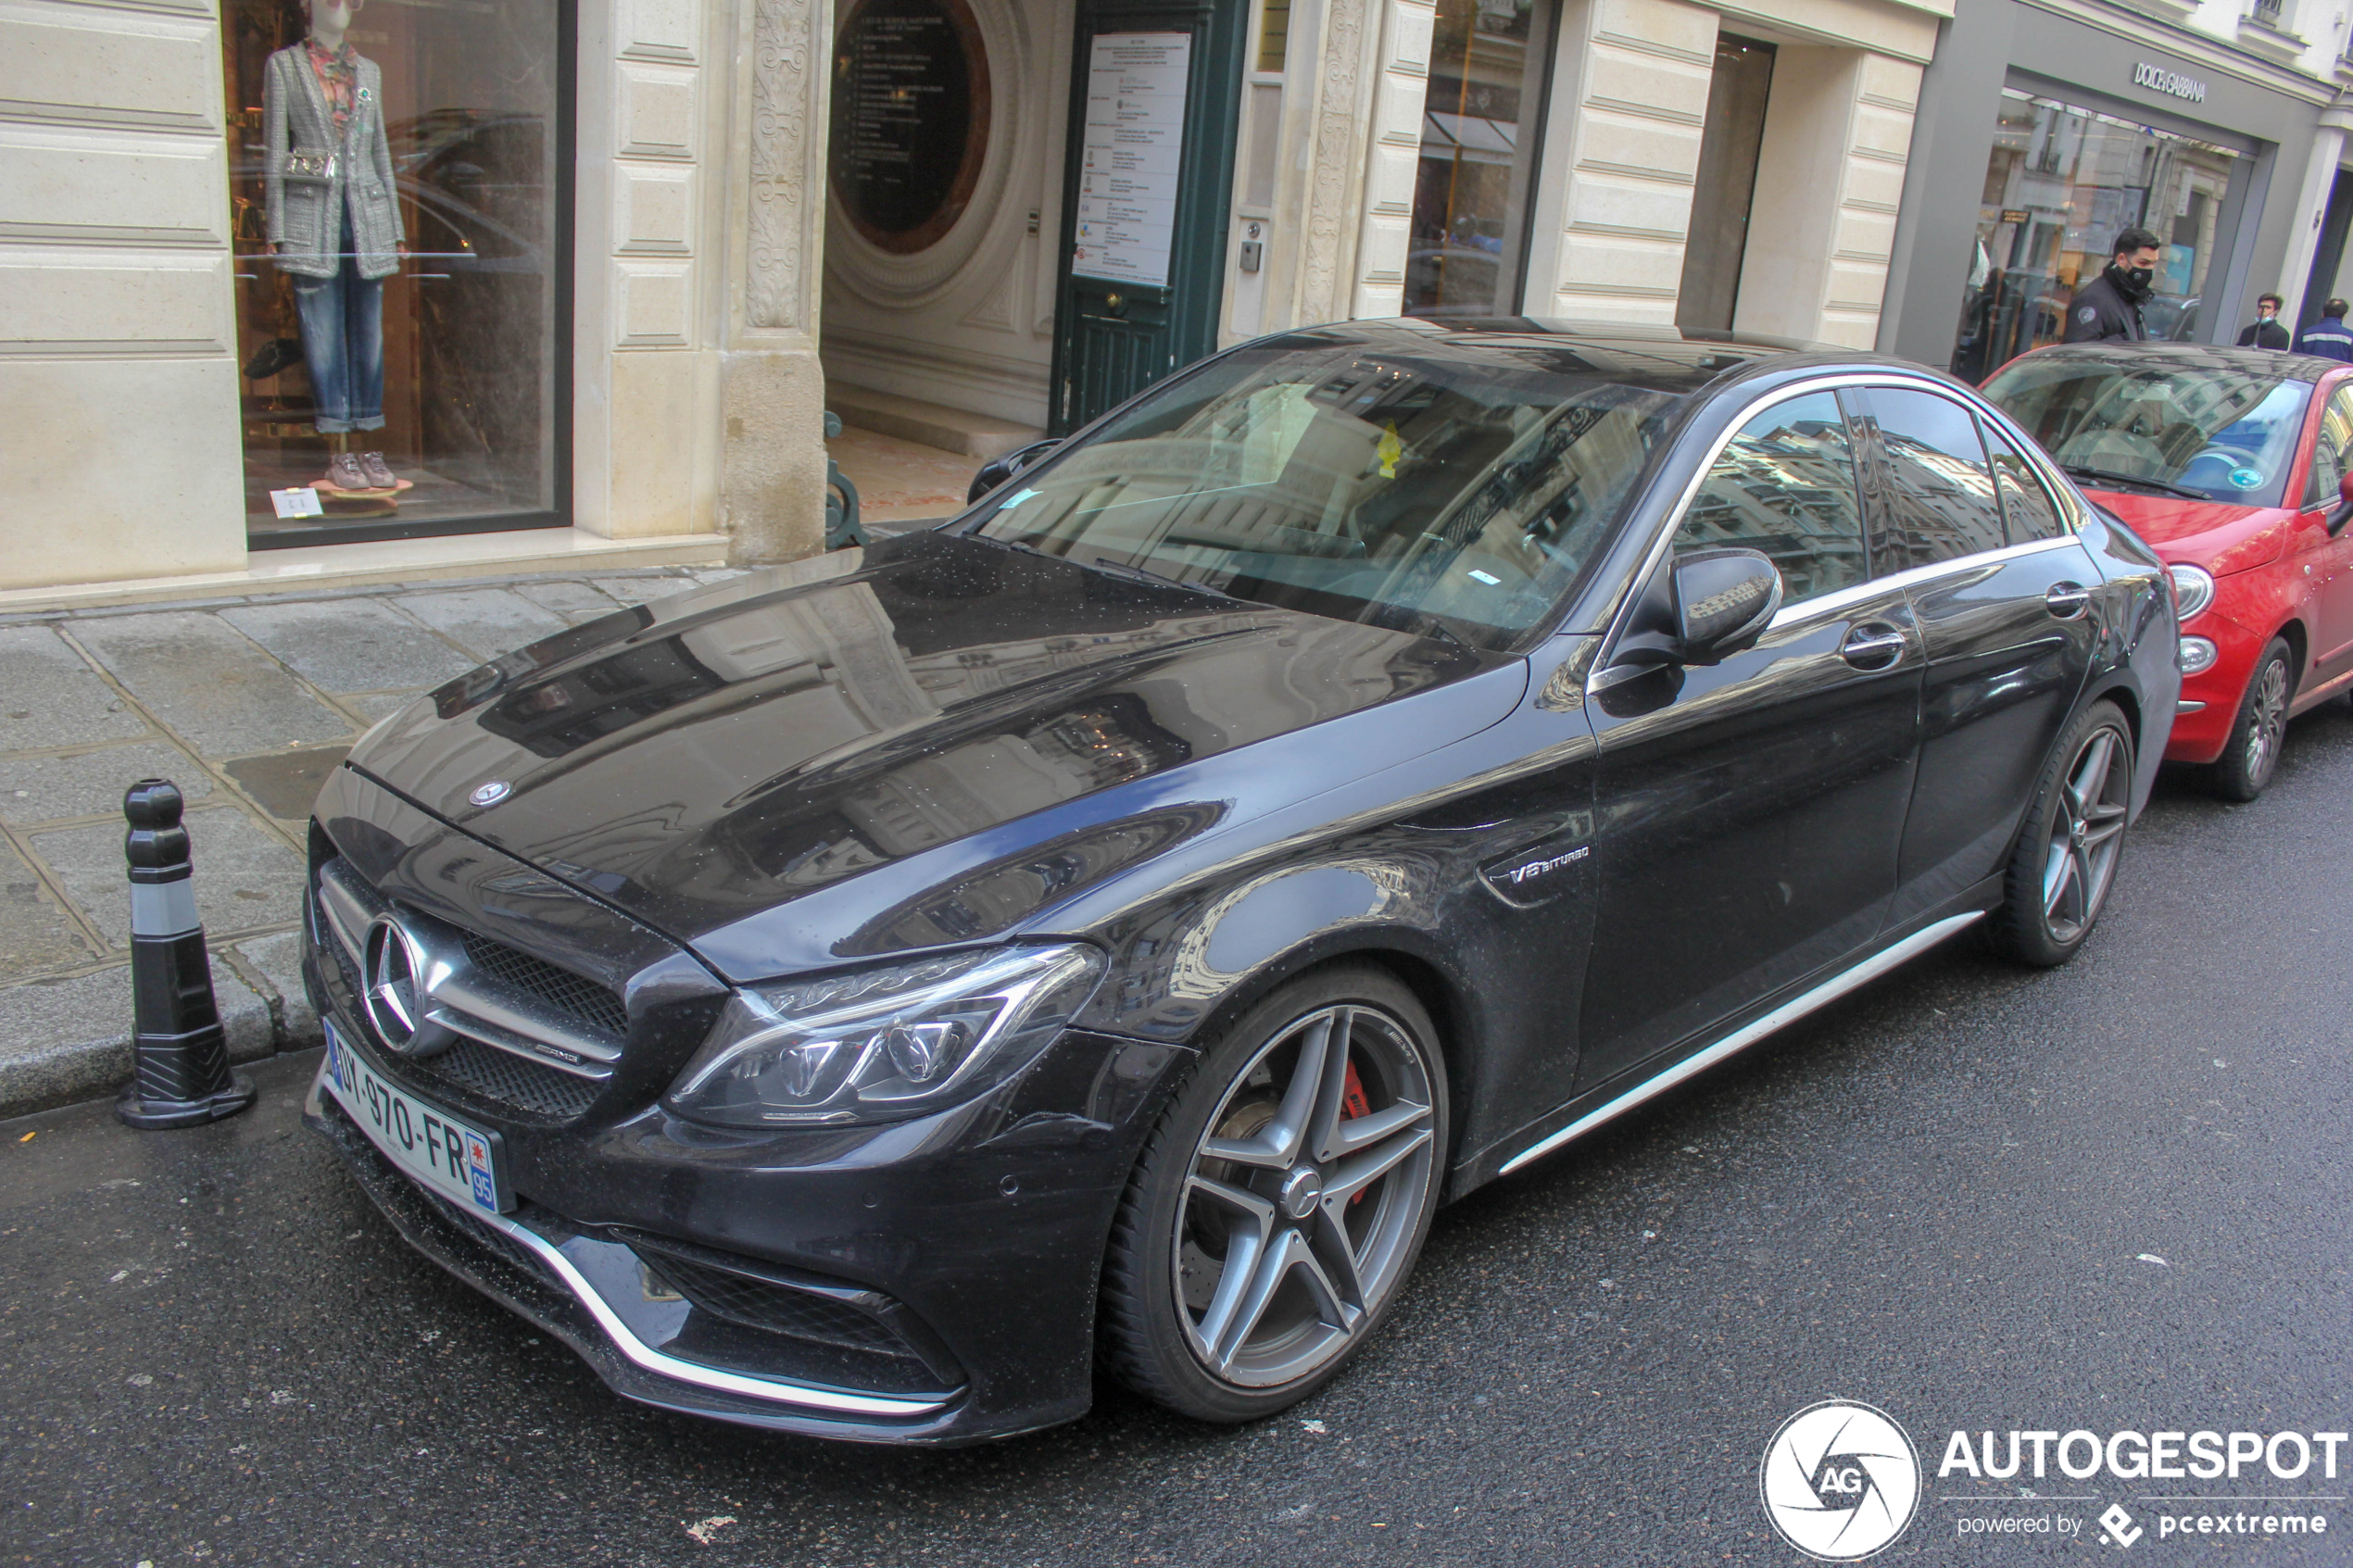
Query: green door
{"type": "Point", "coordinates": [1155, 87]}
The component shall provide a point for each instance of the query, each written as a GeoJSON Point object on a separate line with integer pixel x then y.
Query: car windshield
{"type": "Point", "coordinates": [1442, 482]}
{"type": "Point", "coordinates": [2202, 431]}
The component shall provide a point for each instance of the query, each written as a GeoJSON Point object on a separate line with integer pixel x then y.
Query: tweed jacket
{"type": "Point", "coordinates": [306, 203]}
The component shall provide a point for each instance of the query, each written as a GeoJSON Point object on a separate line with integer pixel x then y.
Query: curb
{"type": "Point", "coordinates": [83, 1024]}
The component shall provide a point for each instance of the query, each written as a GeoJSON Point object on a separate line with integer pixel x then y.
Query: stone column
{"type": "Point", "coordinates": [773, 477]}
{"type": "Point", "coordinates": [119, 389]}
{"type": "Point", "coordinates": [1829, 177]}
{"type": "Point", "coordinates": [1620, 156]}
{"type": "Point", "coordinates": [1401, 88]}
{"type": "Point", "coordinates": [644, 375]}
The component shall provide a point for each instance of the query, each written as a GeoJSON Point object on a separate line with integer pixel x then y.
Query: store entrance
{"type": "Point", "coordinates": [1002, 259]}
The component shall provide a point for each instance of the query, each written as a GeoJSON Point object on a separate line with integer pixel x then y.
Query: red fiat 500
{"type": "Point", "coordinates": [2232, 463]}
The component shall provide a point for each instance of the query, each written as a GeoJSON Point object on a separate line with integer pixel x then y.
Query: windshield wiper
{"type": "Point", "coordinates": [1133, 573]}
{"type": "Point", "coordinates": [2109, 478]}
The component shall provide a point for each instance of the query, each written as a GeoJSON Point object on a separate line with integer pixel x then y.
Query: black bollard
{"type": "Point", "coordinates": [181, 1075]}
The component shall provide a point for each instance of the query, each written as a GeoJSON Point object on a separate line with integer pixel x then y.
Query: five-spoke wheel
{"type": "Point", "coordinates": [1282, 1200]}
{"type": "Point", "coordinates": [2066, 857]}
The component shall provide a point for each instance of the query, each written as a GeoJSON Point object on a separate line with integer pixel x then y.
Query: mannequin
{"type": "Point", "coordinates": [334, 227]}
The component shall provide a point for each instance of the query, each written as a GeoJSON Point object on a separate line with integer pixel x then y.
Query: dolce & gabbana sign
{"type": "Point", "coordinates": [2157, 79]}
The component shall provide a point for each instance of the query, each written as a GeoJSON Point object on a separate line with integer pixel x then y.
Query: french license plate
{"type": "Point", "coordinates": [452, 1159]}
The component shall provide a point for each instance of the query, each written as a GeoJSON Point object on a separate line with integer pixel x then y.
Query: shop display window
{"type": "Point", "coordinates": [2062, 183]}
{"type": "Point", "coordinates": [1480, 121]}
{"type": "Point", "coordinates": [399, 177]}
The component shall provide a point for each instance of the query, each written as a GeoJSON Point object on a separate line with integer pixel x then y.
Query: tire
{"type": "Point", "coordinates": [2065, 859]}
{"type": "Point", "coordinates": [1254, 1160]}
{"type": "Point", "coordinates": [2252, 753]}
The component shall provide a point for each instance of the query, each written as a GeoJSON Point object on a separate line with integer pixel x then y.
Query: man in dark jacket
{"type": "Point", "coordinates": [2107, 309]}
{"type": "Point", "coordinates": [2328, 337]}
{"type": "Point", "coordinates": [2267, 332]}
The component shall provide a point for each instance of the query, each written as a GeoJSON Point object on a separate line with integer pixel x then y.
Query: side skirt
{"type": "Point", "coordinates": [1789, 1013]}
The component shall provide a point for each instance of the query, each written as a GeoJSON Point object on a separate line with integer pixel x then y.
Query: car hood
{"type": "Point", "coordinates": [855, 729]}
{"type": "Point", "coordinates": [2214, 535]}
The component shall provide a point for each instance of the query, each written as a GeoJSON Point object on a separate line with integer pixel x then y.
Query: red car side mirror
{"type": "Point", "coordinates": [2344, 513]}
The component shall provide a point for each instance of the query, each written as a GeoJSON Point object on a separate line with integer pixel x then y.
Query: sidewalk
{"type": "Point", "coordinates": [245, 703]}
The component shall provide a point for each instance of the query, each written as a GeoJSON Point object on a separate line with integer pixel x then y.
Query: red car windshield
{"type": "Point", "coordinates": [2202, 433]}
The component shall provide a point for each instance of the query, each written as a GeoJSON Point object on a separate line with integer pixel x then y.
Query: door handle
{"type": "Point", "coordinates": [2068, 600]}
{"type": "Point", "coordinates": [1873, 645]}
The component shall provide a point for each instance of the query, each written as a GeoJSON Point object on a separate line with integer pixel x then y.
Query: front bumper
{"type": "Point", "coordinates": [974, 1238]}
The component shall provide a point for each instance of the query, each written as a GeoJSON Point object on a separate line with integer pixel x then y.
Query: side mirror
{"type": "Point", "coordinates": [1708, 605]}
{"type": "Point", "coordinates": [996, 470]}
{"type": "Point", "coordinates": [1724, 599]}
{"type": "Point", "coordinates": [2344, 513]}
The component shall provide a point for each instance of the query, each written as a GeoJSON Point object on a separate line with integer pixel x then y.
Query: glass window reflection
{"type": "Point", "coordinates": [1784, 485]}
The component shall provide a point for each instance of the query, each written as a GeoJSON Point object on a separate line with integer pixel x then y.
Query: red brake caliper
{"type": "Point", "coordinates": [1355, 1104]}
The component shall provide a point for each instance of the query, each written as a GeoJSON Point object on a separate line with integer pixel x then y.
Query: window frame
{"type": "Point", "coordinates": [2073, 509]}
{"type": "Point", "coordinates": [1880, 527]}
{"type": "Point", "coordinates": [1855, 463]}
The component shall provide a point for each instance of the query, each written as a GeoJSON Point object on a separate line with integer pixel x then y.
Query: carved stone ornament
{"type": "Point", "coordinates": [780, 172]}
{"type": "Point", "coordinates": [1329, 222]}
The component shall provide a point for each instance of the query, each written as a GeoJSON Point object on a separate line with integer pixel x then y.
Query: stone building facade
{"type": "Point", "coordinates": [629, 329]}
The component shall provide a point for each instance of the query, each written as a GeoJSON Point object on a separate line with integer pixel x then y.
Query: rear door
{"type": "Point", "coordinates": [2003, 596]}
{"type": "Point", "coordinates": [1748, 814]}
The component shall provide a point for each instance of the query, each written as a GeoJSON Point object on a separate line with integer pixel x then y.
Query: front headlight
{"type": "Point", "coordinates": [2193, 590]}
{"type": "Point", "coordinates": [883, 1044]}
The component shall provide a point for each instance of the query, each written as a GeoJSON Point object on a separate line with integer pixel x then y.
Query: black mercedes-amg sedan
{"type": "Point", "coordinates": [869, 997]}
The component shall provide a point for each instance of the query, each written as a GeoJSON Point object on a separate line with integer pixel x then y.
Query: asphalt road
{"type": "Point", "coordinates": [1935, 1197]}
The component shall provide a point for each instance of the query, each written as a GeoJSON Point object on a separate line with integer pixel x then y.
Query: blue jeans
{"type": "Point", "coordinates": [343, 343]}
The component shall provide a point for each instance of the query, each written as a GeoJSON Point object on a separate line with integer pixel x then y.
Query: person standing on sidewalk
{"type": "Point", "coordinates": [2267, 332]}
{"type": "Point", "coordinates": [2328, 337]}
{"type": "Point", "coordinates": [2107, 309]}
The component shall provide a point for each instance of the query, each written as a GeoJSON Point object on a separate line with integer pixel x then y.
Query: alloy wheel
{"type": "Point", "coordinates": [1302, 1202]}
{"type": "Point", "coordinates": [2087, 831]}
{"type": "Point", "coordinates": [2268, 718]}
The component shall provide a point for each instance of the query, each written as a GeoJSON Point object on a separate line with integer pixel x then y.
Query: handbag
{"type": "Point", "coordinates": [302, 164]}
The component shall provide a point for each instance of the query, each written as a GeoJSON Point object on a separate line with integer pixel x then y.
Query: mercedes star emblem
{"type": "Point", "coordinates": [490, 794]}
{"type": "Point", "coordinates": [396, 998]}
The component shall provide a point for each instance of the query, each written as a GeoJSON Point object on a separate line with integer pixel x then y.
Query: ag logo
{"type": "Point", "coordinates": [1840, 1481]}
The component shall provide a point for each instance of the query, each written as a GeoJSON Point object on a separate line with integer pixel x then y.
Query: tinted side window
{"type": "Point", "coordinates": [1784, 485]}
{"type": "Point", "coordinates": [2330, 452]}
{"type": "Point", "coordinates": [1939, 500]}
{"type": "Point", "coordinates": [2026, 506]}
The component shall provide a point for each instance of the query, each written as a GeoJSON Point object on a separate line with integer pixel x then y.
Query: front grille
{"type": "Point", "coordinates": [510, 1080]}
{"type": "Point", "coordinates": [470, 1070]}
{"type": "Point", "coordinates": [582, 997]}
{"type": "Point", "coordinates": [778, 1309]}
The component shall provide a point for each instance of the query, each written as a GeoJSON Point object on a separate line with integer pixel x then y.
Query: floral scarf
{"type": "Point", "coordinates": [338, 74]}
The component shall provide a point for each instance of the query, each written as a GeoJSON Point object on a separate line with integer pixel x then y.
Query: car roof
{"type": "Point", "coordinates": [2197, 356]}
{"type": "Point", "coordinates": [1662, 357]}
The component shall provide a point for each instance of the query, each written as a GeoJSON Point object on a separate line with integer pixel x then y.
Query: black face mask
{"type": "Point", "coordinates": [2134, 281]}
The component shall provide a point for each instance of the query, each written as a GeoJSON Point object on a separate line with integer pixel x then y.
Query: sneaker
{"type": "Point", "coordinates": [379, 472]}
{"type": "Point", "coordinates": [344, 474]}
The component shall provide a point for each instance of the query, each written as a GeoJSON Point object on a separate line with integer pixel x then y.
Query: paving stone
{"type": "Point", "coordinates": [278, 959]}
{"type": "Point", "coordinates": [90, 783]}
{"type": "Point", "coordinates": [35, 931]}
{"type": "Point", "coordinates": [49, 697]}
{"type": "Point", "coordinates": [575, 602]}
{"type": "Point", "coordinates": [377, 705]}
{"type": "Point", "coordinates": [246, 877]}
{"type": "Point", "coordinates": [642, 590]}
{"type": "Point", "coordinates": [68, 1040]}
{"type": "Point", "coordinates": [489, 620]}
{"type": "Point", "coordinates": [288, 783]}
{"type": "Point", "coordinates": [350, 645]}
{"type": "Point", "coordinates": [213, 688]}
